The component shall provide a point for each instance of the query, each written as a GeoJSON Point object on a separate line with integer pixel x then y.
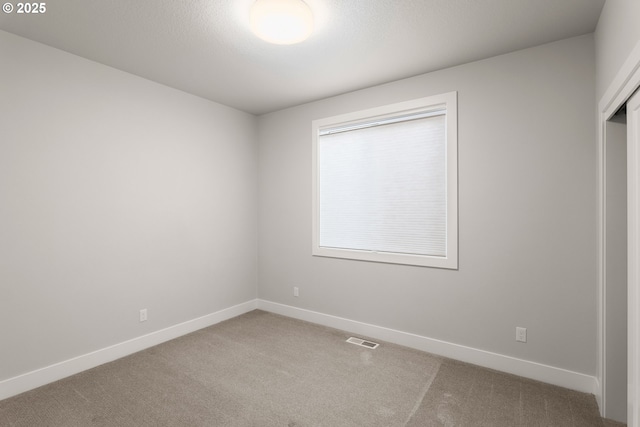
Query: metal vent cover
{"type": "Point", "coordinates": [363, 343]}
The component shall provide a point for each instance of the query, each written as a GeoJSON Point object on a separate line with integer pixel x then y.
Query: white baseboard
{"type": "Point", "coordinates": [499, 362]}
{"type": "Point", "coordinates": [46, 375]}
{"type": "Point", "coordinates": [524, 368]}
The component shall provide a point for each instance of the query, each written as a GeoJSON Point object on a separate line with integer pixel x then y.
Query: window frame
{"type": "Point", "coordinates": [447, 101]}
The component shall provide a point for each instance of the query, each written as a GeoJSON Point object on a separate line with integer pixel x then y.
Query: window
{"type": "Point", "coordinates": [385, 184]}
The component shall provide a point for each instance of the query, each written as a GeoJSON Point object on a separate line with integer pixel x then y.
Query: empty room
{"type": "Point", "coordinates": [320, 213]}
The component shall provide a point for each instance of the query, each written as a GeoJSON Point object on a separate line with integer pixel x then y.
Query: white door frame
{"type": "Point", "coordinates": [623, 86]}
{"type": "Point", "coordinates": [633, 159]}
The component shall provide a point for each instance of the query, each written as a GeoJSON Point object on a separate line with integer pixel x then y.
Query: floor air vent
{"type": "Point", "coordinates": [363, 343]}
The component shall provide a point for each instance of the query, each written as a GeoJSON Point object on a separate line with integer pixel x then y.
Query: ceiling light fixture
{"type": "Point", "coordinates": [281, 21]}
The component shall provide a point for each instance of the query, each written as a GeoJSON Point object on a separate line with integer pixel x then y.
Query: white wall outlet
{"type": "Point", "coordinates": [521, 334]}
{"type": "Point", "coordinates": [296, 291]}
{"type": "Point", "coordinates": [143, 315]}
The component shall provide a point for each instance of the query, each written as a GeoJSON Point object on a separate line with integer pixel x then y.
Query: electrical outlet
{"type": "Point", "coordinates": [143, 315]}
{"type": "Point", "coordinates": [296, 291]}
{"type": "Point", "coordinates": [521, 334]}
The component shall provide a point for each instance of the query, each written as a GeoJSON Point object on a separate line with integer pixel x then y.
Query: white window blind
{"type": "Point", "coordinates": [382, 186]}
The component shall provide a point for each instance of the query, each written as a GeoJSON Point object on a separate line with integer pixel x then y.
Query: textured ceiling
{"type": "Point", "coordinates": [206, 48]}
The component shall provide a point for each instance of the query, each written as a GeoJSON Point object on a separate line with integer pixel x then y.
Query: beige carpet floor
{"type": "Point", "coordinates": [262, 369]}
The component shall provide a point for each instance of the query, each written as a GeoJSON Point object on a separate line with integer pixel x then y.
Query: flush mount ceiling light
{"type": "Point", "coordinates": [281, 21]}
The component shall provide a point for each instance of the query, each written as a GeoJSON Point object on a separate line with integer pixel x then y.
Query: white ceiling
{"type": "Point", "coordinates": [206, 48]}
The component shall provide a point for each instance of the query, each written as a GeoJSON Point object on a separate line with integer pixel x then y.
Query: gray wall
{"type": "Point", "coordinates": [617, 34]}
{"type": "Point", "coordinates": [116, 194]}
{"type": "Point", "coordinates": [527, 206]}
{"type": "Point", "coordinates": [616, 270]}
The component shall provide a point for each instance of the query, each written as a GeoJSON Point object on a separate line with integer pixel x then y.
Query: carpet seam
{"type": "Point", "coordinates": [423, 393]}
